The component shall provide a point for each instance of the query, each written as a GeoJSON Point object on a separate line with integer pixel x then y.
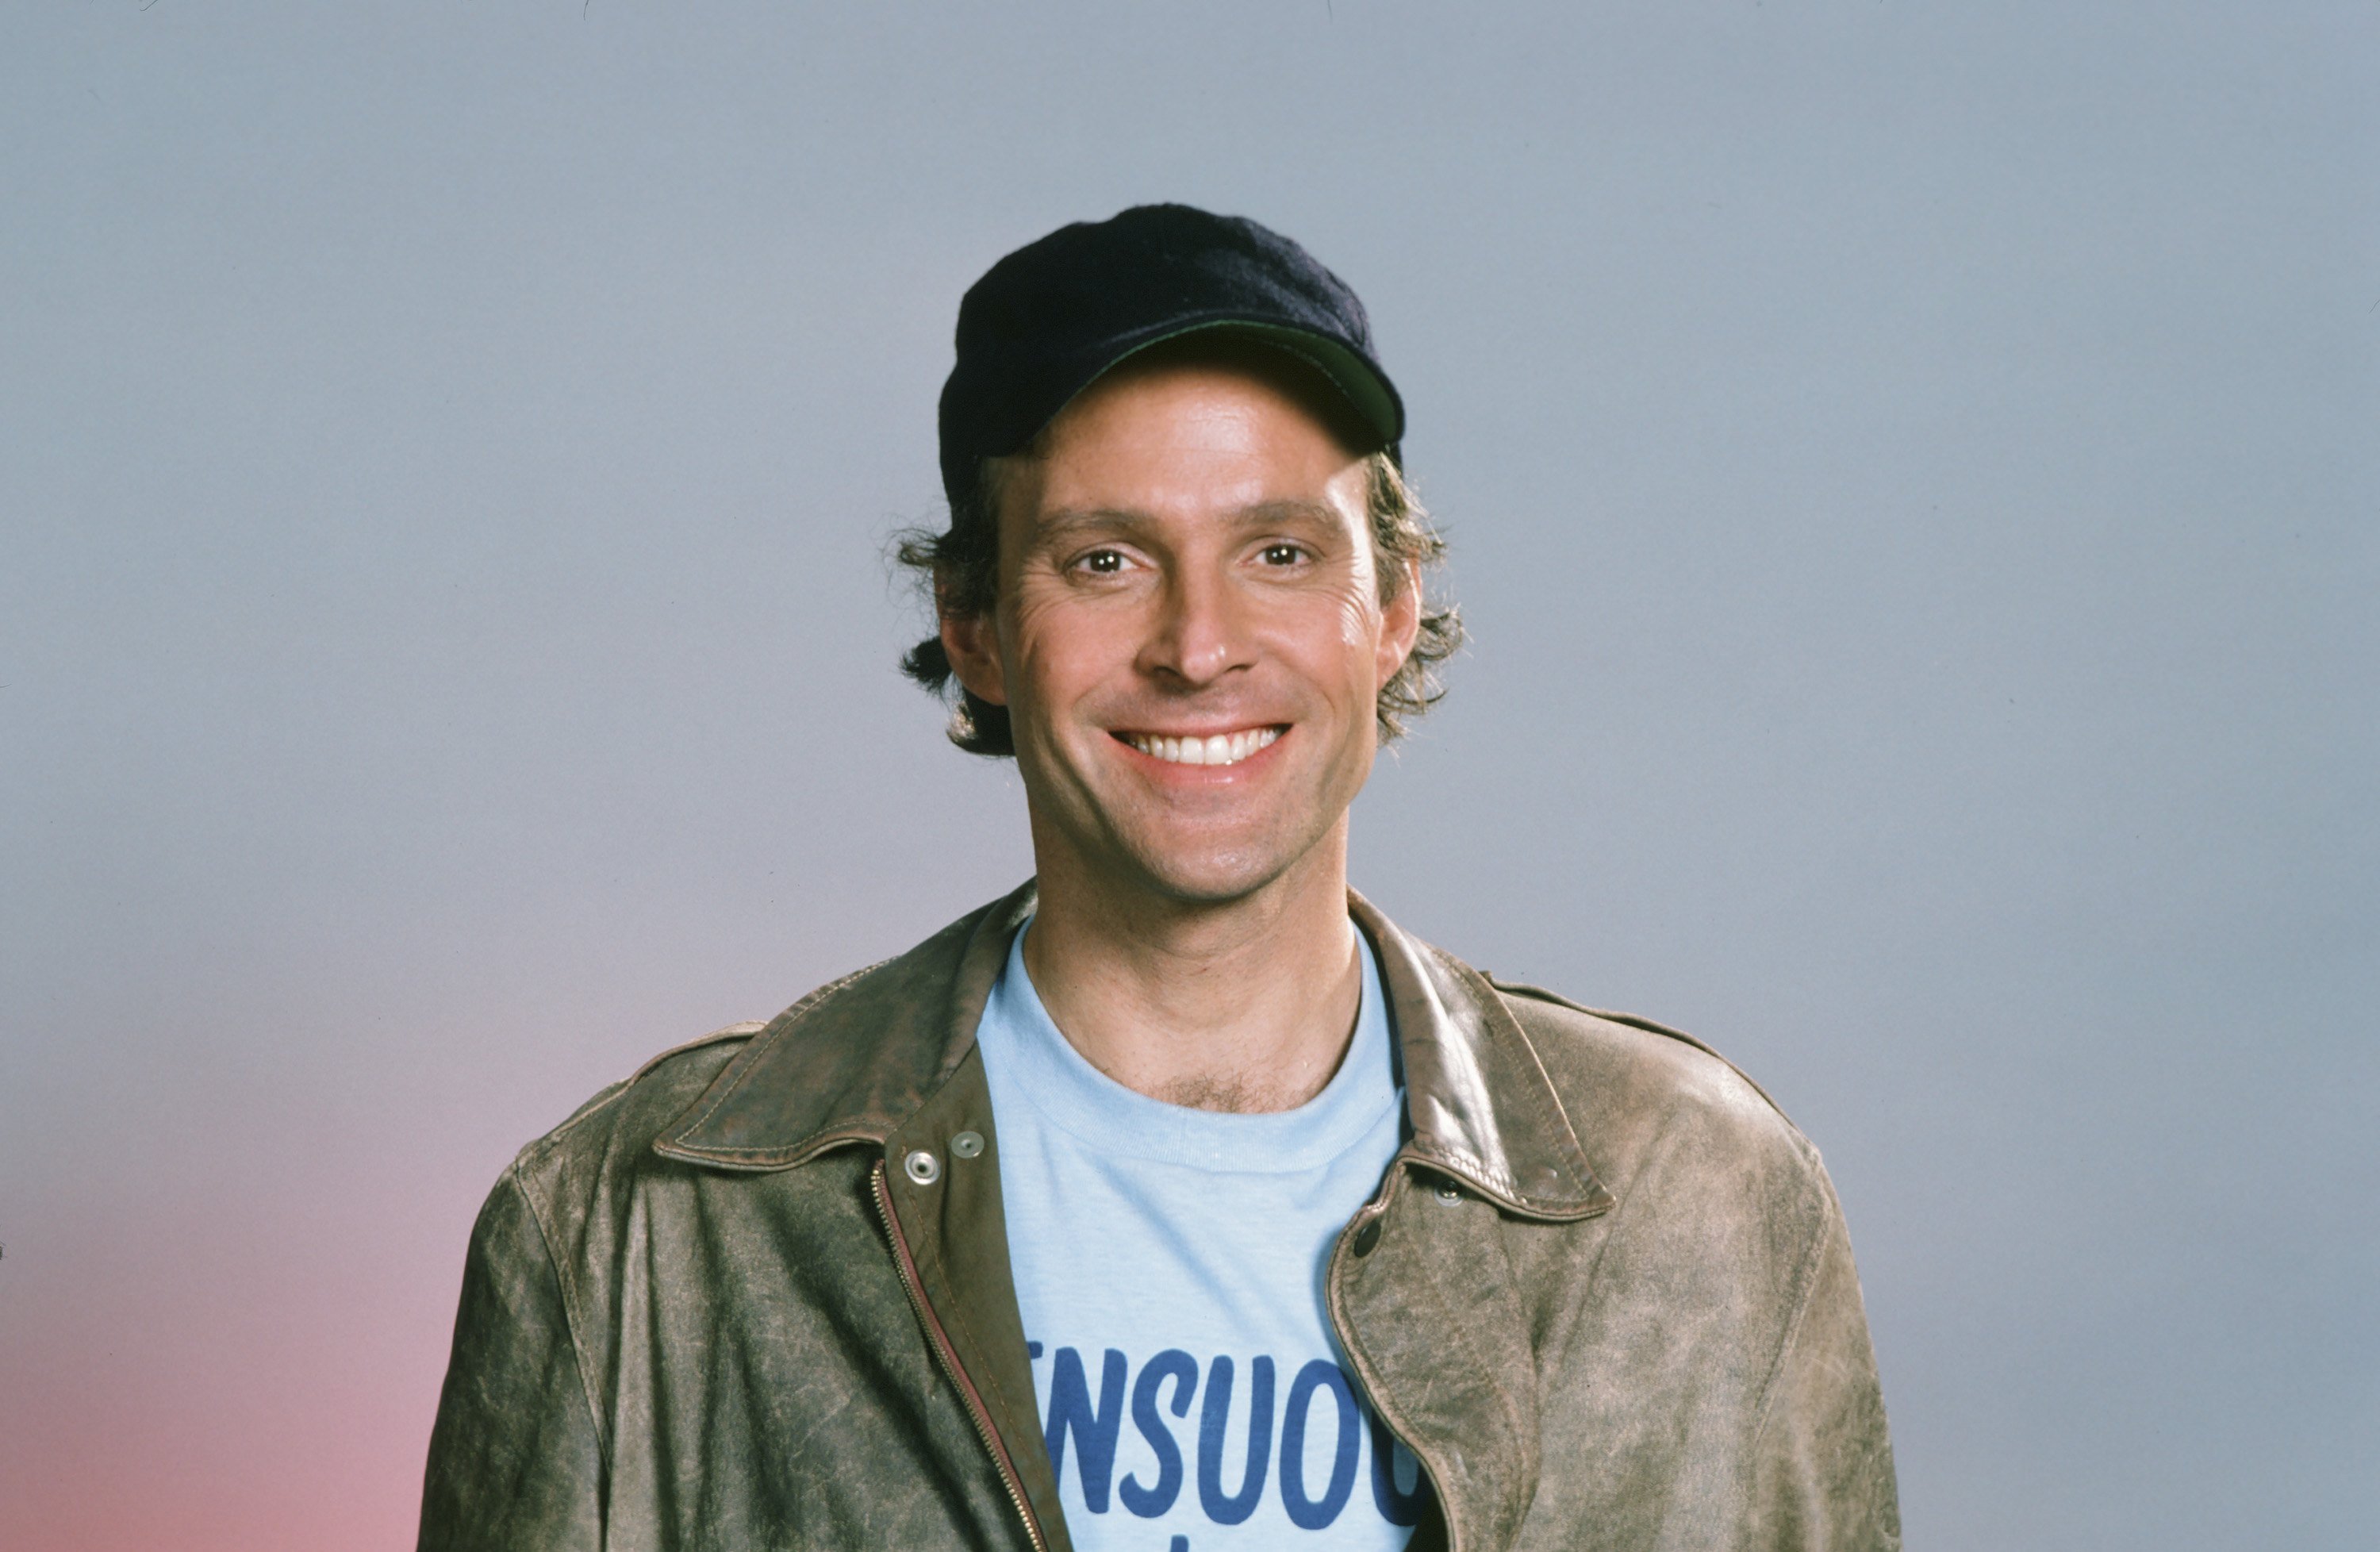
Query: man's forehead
{"type": "Point", "coordinates": [1221, 448]}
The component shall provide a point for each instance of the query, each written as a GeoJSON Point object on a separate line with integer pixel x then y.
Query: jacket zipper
{"type": "Point", "coordinates": [948, 1359]}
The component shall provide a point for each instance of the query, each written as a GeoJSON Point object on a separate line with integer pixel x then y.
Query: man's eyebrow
{"type": "Point", "coordinates": [1073, 522]}
{"type": "Point", "coordinates": [1287, 511]}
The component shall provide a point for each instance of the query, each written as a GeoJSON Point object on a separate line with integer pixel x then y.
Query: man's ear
{"type": "Point", "coordinates": [1400, 625]}
{"type": "Point", "coordinates": [972, 643]}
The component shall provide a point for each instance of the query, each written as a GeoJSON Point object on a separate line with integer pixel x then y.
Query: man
{"type": "Point", "coordinates": [1179, 1199]}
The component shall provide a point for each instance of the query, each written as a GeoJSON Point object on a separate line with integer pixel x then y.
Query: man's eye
{"type": "Point", "coordinates": [1102, 562]}
{"type": "Point", "coordinates": [1283, 554]}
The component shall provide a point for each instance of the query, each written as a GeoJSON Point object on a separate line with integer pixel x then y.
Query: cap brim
{"type": "Point", "coordinates": [1363, 387]}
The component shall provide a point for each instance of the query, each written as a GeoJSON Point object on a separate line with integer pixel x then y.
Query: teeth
{"type": "Point", "coordinates": [1224, 748]}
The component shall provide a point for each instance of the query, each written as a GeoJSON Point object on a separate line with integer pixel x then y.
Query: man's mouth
{"type": "Point", "coordinates": [1222, 748]}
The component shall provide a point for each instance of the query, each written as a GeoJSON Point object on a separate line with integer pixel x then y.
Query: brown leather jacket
{"type": "Point", "coordinates": [1603, 1294]}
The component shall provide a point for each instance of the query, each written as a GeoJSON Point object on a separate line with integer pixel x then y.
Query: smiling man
{"type": "Point", "coordinates": [1178, 1200]}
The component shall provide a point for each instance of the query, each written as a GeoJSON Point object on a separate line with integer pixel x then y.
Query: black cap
{"type": "Point", "coordinates": [1047, 320]}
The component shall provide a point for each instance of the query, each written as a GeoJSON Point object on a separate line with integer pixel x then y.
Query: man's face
{"type": "Point", "coordinates": [1189, 636]}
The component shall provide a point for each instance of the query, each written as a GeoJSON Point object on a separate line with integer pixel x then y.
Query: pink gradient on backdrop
{"type": "Point", "coordinates": [280, 1383]}
{"type": "Point", "coordinates": [229, 1286]}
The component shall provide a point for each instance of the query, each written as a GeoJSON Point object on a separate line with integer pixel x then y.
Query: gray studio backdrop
{"type": "Point", "coordinates": [1912, 472]}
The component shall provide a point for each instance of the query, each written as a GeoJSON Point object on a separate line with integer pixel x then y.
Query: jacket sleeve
{"type": "Point", "coordinates": [515, 1461]}
{"type": "Point", "coordinates": [1823, 1460]}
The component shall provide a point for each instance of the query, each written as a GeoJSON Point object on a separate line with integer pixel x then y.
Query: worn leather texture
{"type": "Point", "coordinates": [1604, 1293]}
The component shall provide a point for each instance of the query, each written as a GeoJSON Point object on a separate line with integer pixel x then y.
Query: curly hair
{"type": "Point", "coordinates": [959, 569]}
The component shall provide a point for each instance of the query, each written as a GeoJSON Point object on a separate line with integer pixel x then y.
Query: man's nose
{"type": "Point", "coordinates": [1200, 632]}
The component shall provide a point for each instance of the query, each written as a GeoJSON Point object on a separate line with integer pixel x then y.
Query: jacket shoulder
{"type": "Point", "coordinates": [1626, 1079]}
{"type": "Point", "coordinates": [1575, 1021]}
{"type": "Point", "coordinates": [622, 1119]}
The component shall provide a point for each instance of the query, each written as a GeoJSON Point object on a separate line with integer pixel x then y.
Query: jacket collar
{"type": "Point", "coordinates": [854, 1059]}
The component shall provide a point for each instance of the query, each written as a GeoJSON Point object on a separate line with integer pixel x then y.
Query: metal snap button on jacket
{"type": "Point", "coordinates": [923, 1167]}
{"type": "Point", "coordinates": [967, 1145]}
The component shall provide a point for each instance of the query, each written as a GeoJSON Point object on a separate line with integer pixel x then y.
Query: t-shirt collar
{"type": "Point", "coordinates": [1073, 1094]}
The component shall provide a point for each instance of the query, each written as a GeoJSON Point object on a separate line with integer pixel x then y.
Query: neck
{"type": "Point", "coordinates": [1245, 1004]}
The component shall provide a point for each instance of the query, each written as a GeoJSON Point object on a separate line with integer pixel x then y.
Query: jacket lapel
{"type": "Point", "coordinates": [855, 1058]}
{"type": "Point", "coordinates": [1478, 1101]}
{"type": "Point", "coordinates": [886, 1060]}
{"type": "Point", "coordinates": [1419, 1287]}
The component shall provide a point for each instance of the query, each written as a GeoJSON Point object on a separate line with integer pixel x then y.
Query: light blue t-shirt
{"type": "Point", "coordinates": [1169, 1267]}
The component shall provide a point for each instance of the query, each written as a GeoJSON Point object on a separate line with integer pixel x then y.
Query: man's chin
{"type": "Point", "coordinates": [1216, 852]}
{"type": "Point", "coordinates": [1214, 875]}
